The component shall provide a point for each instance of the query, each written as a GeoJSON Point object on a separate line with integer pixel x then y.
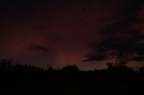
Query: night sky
{"type": "Point", "coordinates": [87, 33]}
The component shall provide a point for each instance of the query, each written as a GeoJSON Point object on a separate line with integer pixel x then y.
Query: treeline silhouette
{"type": "Point", "coordinates": [116, 79]}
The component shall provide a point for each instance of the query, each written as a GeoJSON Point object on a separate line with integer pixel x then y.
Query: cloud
{"type": "Point", "coordinates": [93, 57]}
{"type": "Point", "coordinates": [120, 45]}
{"type": "Point", "coordinates": [138, 58]}
{"type": "Point", "coordinates": [121, 39]}
{"type": "Point", "coordinates": [33, 47]}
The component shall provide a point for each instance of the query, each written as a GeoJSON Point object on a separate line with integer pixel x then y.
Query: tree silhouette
{"type": "Point", "coordinates": [142, 70]}
{"type": "Point", "coordinates": [50, 68]}
{"type": "Point", "coordinates": [119, 65]}
{"type": "Point", "coordinates": [70, 68]}
{"type": "Point", "coordinates": [29, 79]}
{"type": "Point", "coordinates": [6, 64]}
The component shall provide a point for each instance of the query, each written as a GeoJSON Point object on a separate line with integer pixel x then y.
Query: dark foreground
{"type": "Point", "coordinates": [29, 80]}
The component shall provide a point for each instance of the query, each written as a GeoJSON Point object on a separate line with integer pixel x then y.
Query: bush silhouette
{"type": "Point", "coordinates": [6, 65]}
{"type": "Point", "coordinates": [142, 70]}
{"type": "Point", "coordinates": [70, 68]}
{"type": "Point", "coordinates": [50, 68]}
{"type": "Point", "coordinates": [31, 80]}
{"type": "Point", "coordinates": [119, 66]}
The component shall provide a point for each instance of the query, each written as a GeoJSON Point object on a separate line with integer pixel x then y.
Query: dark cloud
{"type": "Point", "coordinates": [122, 38]}
{"type": "Point", "coordinates": [119, 45]}
{"type": "Point", "coordinates": [97, 56]}
{"type": "Point", "coordinates": [33, 47]}
{"type": "Point", "coordinates": [138, 58]}
{"type": "Point", "coordinates": [121, 26]}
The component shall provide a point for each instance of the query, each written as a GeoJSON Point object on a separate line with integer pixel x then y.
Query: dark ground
{"type": "Point", "coordinates": [69, 80]}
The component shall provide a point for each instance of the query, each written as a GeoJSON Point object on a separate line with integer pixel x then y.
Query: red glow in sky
{"type": "Point", "coordinates": [60, 32]}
